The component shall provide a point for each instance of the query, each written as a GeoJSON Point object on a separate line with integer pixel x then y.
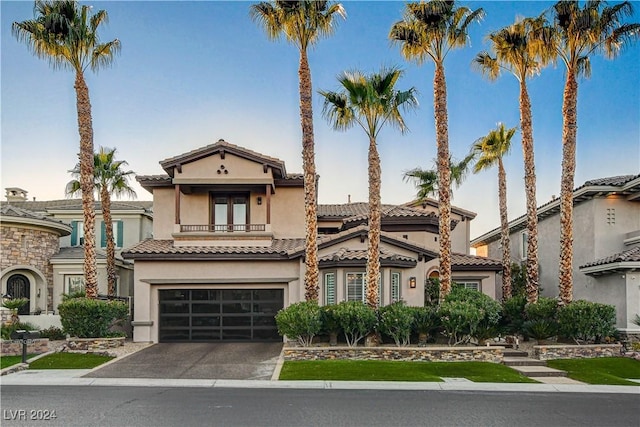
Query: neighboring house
{"type": "Point", "coordinates": [132, 220]}
{"type": "Point", "coordinates": [228, 249]}
{"type": "Point", "coordinates": [606, 245]}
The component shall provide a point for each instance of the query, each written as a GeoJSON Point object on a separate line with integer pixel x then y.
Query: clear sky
{"type": "Point", "coordinates": [190, 73]}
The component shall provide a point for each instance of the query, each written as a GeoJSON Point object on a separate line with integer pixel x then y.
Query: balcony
{"type": "Point", "coordinates": [222, 235]}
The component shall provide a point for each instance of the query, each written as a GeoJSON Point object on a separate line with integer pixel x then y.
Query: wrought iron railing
{"type": "Point", "coordinates": [221, 228]}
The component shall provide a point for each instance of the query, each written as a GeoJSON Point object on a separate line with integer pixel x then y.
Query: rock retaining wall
{"type": "Point", "coordinates": [93, 344]}
{"type": "Point", "coordinates": [550, 352]}
{"type": "Point", "coordinates": [431, 354]}
{"type": "Point", "coordinates": [14, 347]}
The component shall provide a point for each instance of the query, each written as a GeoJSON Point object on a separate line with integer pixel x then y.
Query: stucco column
{"type": "Point", "coordinates": [177, 200]}
{"type": "Point", "coordinates": [268, 191]}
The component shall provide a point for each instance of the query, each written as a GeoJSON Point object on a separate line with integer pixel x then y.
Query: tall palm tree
{"type": "Point", "coordinates": [429, 31]}
{"type": "Point", "coordinates": [303, 23]}
{"type": "Point", "coordinates": [426, 180]}
{"type": "Point", "coordinates": [518, 51]}
{"type": "Point", "coordinates": [370, 101]}
{"type": "Point", "coordinates": [578, 33]}
{"type": "Point", "coordinates": [66, 34]}
{"type": "Point", "coordinates": [109, 179]}
{"type": "Point", "coordinates": [490, 150]}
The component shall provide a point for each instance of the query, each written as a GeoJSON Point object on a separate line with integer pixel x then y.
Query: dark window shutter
{"type": "Point", "coordinates": [120, 226]}
{"type": "Point", "coordinates": [74, 233]}
{"type": "Point", "coordinates": [103, 235]}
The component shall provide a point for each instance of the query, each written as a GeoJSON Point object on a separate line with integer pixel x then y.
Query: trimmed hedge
{"type": "Point", "coordinates": [300, 321]}
{"type": "Point", "coordinates": [91, 318]}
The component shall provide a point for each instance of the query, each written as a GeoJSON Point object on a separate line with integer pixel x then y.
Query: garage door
{"type": "Point", "coordinates": [219, 314]}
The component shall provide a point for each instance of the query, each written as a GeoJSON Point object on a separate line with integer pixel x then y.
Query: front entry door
{"type": "Point", "coordinates": [18, 286]}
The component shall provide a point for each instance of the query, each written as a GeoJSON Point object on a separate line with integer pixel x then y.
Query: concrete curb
{"type": "Point", "coordinates": [278, 368]}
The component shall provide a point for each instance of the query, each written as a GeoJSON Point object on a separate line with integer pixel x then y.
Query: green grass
{"type": "Point", "coordinates": [69, 361]}
{"type": "Point", "coordinates": [6, 361]}
{"type": "Point", "coordinates": [605, 370]}
{"type": "Point", "coordinates": [382, 370]}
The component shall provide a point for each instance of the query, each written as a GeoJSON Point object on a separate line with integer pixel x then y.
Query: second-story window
{"type": "Point", "coordinates": [230, 212]}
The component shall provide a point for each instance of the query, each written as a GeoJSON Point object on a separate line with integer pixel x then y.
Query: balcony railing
{"type": "Point", "coordinates": [222, 228]}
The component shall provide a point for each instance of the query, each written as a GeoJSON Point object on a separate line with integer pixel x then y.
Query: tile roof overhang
{"type": "Point", "coordinates": [463, 262]}
{"type": "Point", "coordinates": [222, 147]}
{"type": "Point", "coordinates": [10, 214]}
{"type": "Point", "coordinates": [434, 203]}
{"type": "Point", "coordinates": [349, 257]}
{"type": "Point", "coordinates": [143, 207]}
{"type": "Point", "coordinates": [75, 255]}
{"type": "Point", "coordinates": [622, 261]}
{"type": "Point", "coordinates": [627, 185]}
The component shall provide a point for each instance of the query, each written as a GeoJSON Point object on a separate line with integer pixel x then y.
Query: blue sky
{"type": "Point", "coordinates": [190, 73]}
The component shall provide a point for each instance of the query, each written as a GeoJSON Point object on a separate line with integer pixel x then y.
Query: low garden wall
{"type": "Point", "coordinates": [93, 344]}
{"type": "Point", "coordinates": [14, 347]}
{"type": "Point", "coordinates": [550, 352]}
{"type": "Point", "coordinates": [431, 354]}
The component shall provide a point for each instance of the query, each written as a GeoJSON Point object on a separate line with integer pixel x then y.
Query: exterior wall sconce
{"type": "Point", "coordinates": [259, 200]}
{"type": "Point", "coordinates": [412, 282]}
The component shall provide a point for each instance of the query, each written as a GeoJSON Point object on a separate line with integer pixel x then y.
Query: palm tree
{"type": "Point", "coordinates": [370, 101]}
{"type": "Point", "coordinates": [426, 180]}
{"type": "Point", "coordinates": [109, 179]}
{"type": "Point", "coordinates": [66, 34]}
{"type": "Point", "coordinates": [303, 23]}
{"type": "Point", "coordinates": [578, 33]}
{"type": "Point", "coordinates": [490, 150]}
{"type": "Point", "coordinates": [429, 31]}
{"type": "Point", "coordinates": [518, 51]}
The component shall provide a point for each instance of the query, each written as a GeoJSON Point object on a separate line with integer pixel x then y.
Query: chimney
{"type": "Point", "coordinates": [348, 198]}
{"type": "Point", "coordinates": [14, 194]}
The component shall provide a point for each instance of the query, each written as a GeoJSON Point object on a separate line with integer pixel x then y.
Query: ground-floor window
{"type": "Point", "coordinates": [330, 288]}
{"type": "Point", "coordinates": [356, 286]}
{"type": "Point", "coordinates": [74, 283]}
{"type": "Point", "coordinates": [395, 286]}
{"type": "Point", "coordinates": [468, 284]}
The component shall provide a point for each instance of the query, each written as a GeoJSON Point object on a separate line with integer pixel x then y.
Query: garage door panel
{"type": "Point", "coordinates": [219, 314]}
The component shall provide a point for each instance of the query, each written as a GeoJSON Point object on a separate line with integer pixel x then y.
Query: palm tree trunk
{"type": "Point", "coordinates": [311, 281]}
{"type": "Point", "coordinates": [530, 190]}
{"type": "Point", "coordinates": [111, 246]}
{"type": "Point", "coordinates": [373, 255]}
{"type": "Point", "coordinates": [444, 177]}
{"type": "Point", "coordinates": [504, 223]}
{"type": "Point", "coordinates": [569, 131]}
{"type": "Point", "coordinates": [85, 128]}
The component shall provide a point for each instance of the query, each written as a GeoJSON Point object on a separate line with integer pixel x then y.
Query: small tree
{"type": "Point", "coordinates": [395, 320]}
{"type": "Point", "coordinates": [356, 320]}
{"type": "Point", "coordinates": [425, 321]}
{"type": "Point", "coordinates": [300, 321]}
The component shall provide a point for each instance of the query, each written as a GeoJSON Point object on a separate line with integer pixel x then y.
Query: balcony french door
{"type": "Point", "coordinates": [230, 212]}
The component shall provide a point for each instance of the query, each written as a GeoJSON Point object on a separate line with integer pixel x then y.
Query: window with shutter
{"type": "Point", "coordinates": [330, 288]}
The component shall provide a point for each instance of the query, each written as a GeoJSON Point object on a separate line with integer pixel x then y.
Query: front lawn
{"type": "Point", "coordinates": [69, 361]}
{"type": "Point", "coordinates": [383, 370]}
{"type": "Point", "coordinates": [605, 370]}
{"type": "Point", "coordinates": [6, 361]}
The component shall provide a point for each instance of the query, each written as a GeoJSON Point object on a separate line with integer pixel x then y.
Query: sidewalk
{"type": "Point", "coordinates": [74, 377]}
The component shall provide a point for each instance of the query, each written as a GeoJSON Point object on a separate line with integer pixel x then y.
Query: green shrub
{"type": "Point", "coordinates": [300, 321]}
{"type": "Point", "coordinates": [459, 320]}
{"type": "Point", "coordinates": [425, 321]}
{"type": "Point", "coordinates": [15, 304]}
{"type": "Point", "coordinates": [513, 314]}
{"type": "Point", "coordinates": [585, 321]}
{"type": "Point", "coordinates": [7, 330]}
{"type": "Point", "coordinates": [432, 292]}
{"type": "Point", "coordinates": [395, 320]}
{"type": "Point", "coordinates": [356, 319]}
{"type": "Point", "coordinates": [544, 309]}
{"type": "Point", "coordinates": [73, 295]}
{"type": "Point", "coordinates": [487, 326]}
{"type": "Point", "coordinates": [53, 333]}
{"type": "Point", "coordinates": [540, 329]}
{"type": "Point", "coordinates": [91, 318]}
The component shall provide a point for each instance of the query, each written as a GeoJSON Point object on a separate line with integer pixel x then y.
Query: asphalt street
{"type": "Point", "coordinates": [197, 406]}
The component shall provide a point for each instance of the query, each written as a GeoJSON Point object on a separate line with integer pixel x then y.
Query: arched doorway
{"type": "Point", "coordinates": [18, 286]}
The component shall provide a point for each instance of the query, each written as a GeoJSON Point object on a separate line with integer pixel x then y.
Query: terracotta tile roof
{"type": "Point", "coordinates": [151, 247]}
{"type": "Point", "coordinates": [358, 211]}
{"type": "Point", "coordinates": [8, 211]}
{"type": "Point", "coordinates": [344, 254]}
{"type": "Point", "coordinates": [463, 262]}
{"type": "Point", "coordinates": [615, 181]}
{"type": "Point", "coordinates": [76, 204]}
{"type": "Point", "coordinates": [630, 255]}
{"type": "Point", "coordinates": [77, 253]}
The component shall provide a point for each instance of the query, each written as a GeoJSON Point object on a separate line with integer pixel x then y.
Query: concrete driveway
{"type": "Point", "coordinates": [240, 361]}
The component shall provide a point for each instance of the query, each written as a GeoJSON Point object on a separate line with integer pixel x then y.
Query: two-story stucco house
{"type": "Point", "coordinates": [47, 269]}
{"type": "Point", "coordinates": [606, 245]}
{"type": "Point", "coordinates": [228, 249]}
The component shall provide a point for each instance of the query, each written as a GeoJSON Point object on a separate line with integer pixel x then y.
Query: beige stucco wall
{"type": "Point", "coordinates": [222, 275]}
{"type": "Point", "coordinates": [135, 227]}
{"type": "Point", "coordinates": [164, 212]}
{"type": "Point", "coordinates": [237, 168]}
{"type": "Point", "coordinates": [287, 212]}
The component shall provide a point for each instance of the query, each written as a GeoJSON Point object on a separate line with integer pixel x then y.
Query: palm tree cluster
{"type": "Point", "coordinates": [66, 34]}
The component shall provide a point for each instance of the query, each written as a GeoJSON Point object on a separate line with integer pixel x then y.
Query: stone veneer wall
{"type": "Point", "coordinates": [29, 246]}
{"type": "Point", "coordinates": [431, 354]}
{"type": "Point", "coordinates": [14, 347]}
{"type": "Point", "coordinates": [550, 352]}
{"type": "Point", "coordinates": [93, 344]}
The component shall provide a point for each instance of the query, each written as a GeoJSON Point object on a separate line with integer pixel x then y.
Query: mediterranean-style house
{"type": "Point", "coordinates": [228, 249]}
{"type": "Point", "coordinates": [43, 255]}
{"type": "Point", "coordinates": [606, 245]}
